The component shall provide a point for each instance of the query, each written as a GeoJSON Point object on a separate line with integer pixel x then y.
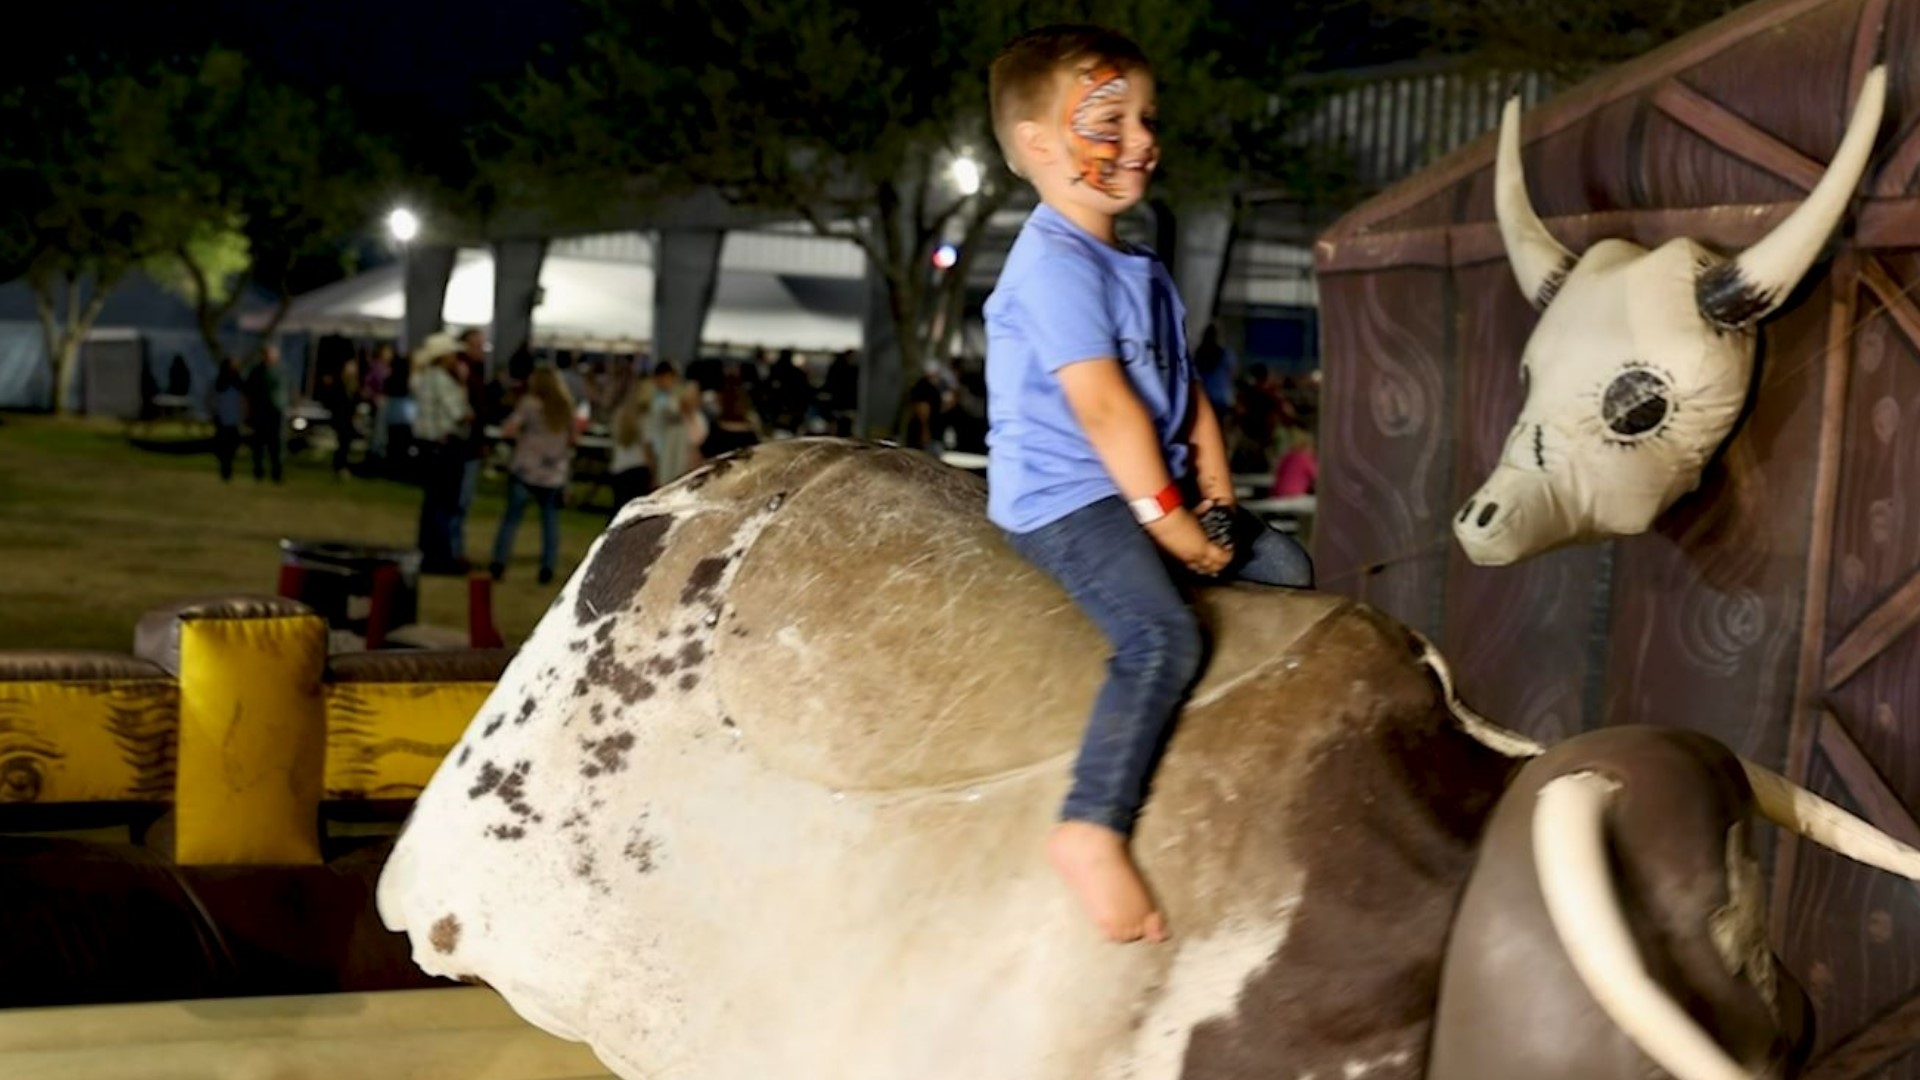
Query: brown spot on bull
{"type": "Point", "coordinates": [1357, 976]}
{"type": "Point", "coordinates": [526, 710]}
{"type": "Point", "coordinates": [506, 832]}
{"type": "Point", "coordinates": [579, 646]}
{"type": "Point", "coordinates": [604, 632]}
{"type": "Point", "coordinates": [641, 846]}
{"type": "Point", "coordinates": [445, 934]}
{"type": "Point", "coordinates": [604, 669]}
{"type": "Point", "coordinates": [609, 754]}
{"type": "Point", "coordinates": [662, 666]}
{"type": "Point", "coordinates": [489, 779]}
{"type": "Point", "coordinates": [619, 569]}
{"type": "Point", "coordinates": [689, 681]}
{"type": "Point", "coordinates": [493, 725]}
{"type": "Point", "coordinates": [512, 789]}
{"type": "Point", "coordinates": [704, 578]}
{"type": "Point", "coordinates": [598, 712]}
{"type": "Point", "coordinates": [465, 753]}
{"type": "Point", "coordinates": [580, 687]}
{"type": "Point", "coordinates": [692, 653]}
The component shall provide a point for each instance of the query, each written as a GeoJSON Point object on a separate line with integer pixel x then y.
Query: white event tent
{"type": "Point", "coordinates": [775, 290]}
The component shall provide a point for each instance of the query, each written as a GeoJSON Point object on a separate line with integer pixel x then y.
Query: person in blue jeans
{"type": "Point", "coordinates": [543, 431]}
{"type": "Point", "coordinates": [1103, 451]}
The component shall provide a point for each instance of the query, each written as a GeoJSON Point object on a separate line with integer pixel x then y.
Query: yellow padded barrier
{"type": "Point", "coordinates": [384, 740]}
{"type": "Point", "coordinates": [66, 741]}
{"type": "Point", "coordinates": [252, 740]}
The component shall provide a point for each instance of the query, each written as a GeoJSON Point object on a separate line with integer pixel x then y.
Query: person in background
{"type": "Point", "coordinates": [1299, 470]}
{"type": "Point", "coordinates": [735, 425]}
{"type": "Point", "coordinates": [630, 471]}
{"type": "Point", "coordinates": [342, 401]}
{"type": "Point", "coordinates": [471, 371]}
{"type": "Point", "coordinates": [267, 407]}
{"type": "Point", "coordinates": [675, 426]}
{"type": "Point", "coordinates": [1217, 368]}
{"type": "Point", "coordinates": [543, 430]}
{"type": "Point", "coordinates": [373, 390]}
{"type": "Point", "coordinates": [441, 432]}
{"type": "Point", "coordinates": [229, 414]}
{"type": "Point", "coordinates": [401, 411]}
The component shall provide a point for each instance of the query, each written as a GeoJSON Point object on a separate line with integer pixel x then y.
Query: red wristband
{"type": "Point", "coordinates": [1159, 505]}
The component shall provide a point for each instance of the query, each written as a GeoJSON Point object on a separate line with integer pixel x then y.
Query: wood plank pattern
{"type": "Point", "coordinates": [1755, 20]}
{"type": "Point", "coordinates": [1546, 601]}
{"type": "Point", "coordinates": [1381, 529]}
{"type": "Point", "coordinates": [1877, 514]}
{"type": "Point", "coordinates": [1896, 615]}
{"type": "Point", "coordinates": [1892, 1036]}
{"type": "Point", "coordinates": [1899, 301]}
{"type": "Point", "coordinates": [1736, 134]}
{"type": "Point", "coordinates": [1883, 808]}
{"type": "Point", "coordinates": [1708, 606]}
{"type": "Point", "coordinates": [1882, 224]}
{"type": "Point", "coordinates": [1854, 941]}
{"type": "Point", "coordinates": [1842, 293]}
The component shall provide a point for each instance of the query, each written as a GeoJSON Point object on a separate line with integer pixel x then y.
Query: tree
{"type": "Point", "coordinates": [848, 115]}
{"type": "Point", "coordinates": [1568, 41]}
{"type": "Point", "coordinates": [83, 205]}
{"type": "Point", "coordinates": [277, 178]}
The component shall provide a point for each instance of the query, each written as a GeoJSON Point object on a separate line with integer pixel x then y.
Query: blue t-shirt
{"type": "Point", "coordinates": [1063, 297]}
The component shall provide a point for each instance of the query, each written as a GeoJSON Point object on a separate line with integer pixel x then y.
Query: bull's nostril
{"type": "Point", "coordinates": [1487, 512]}
{"type": "Point", "coordinates": [1465, 510]}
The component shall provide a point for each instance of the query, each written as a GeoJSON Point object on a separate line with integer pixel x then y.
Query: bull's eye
{"type": "Point", "coordinates": [21, 779]}
{"type": "Point", "coordinates": [1636, 402]}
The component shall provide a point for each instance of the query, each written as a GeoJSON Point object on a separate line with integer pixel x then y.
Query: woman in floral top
{"type": "Point", "coordinates": [543, 432]}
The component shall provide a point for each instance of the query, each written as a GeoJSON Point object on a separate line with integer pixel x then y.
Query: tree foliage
{"type": "Point", "coordinates": [278, 178]}
{"type": "Point", "coordinates": [80, 202]}
{"type": "Point", "coordinates": [201, 171]}
{"type": "Point", "coordinates": [848, 115]}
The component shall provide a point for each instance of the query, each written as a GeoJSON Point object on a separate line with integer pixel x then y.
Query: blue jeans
{"type": "Point", "coordinates": [457, 522]}
{"type": "Point", "coordinates": [519, 493]}
{"type": "Point", "coordinates": [1119, 577]}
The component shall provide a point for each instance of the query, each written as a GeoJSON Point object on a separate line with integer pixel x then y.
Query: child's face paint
{"type": "Point", "coordinates": [1100, 111]}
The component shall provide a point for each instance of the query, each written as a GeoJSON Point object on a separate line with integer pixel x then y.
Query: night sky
{"type": "Point", "coordinates": [423, 62]}
{"type": "Point", "coordinates": [425, 58]}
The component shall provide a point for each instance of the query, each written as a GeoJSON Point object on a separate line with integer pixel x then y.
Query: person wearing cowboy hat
{"type": "Point", "coordinates": [441, 429]}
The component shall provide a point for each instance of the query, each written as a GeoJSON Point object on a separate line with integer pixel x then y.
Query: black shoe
{"type": "Point", "coordinates": [546, 576]}
{"type": "Point", "coordinates": [498, 570]}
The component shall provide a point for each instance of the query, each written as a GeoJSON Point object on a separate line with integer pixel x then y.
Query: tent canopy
{"type": "Point", "coordinates": [591, 302]}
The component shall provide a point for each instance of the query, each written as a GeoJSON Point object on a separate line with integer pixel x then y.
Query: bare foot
{"type": "Point", "coordinates": [1095, 863]}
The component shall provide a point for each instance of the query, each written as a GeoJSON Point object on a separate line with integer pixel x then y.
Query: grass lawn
{"type": "Point", "coordinates": [95, 532]}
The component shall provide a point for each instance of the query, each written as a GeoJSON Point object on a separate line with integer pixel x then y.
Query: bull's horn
{"type": "Point", "coordinates": [1570, 856]}
{"type": "Point", "coordinates": [1800, 811]}
{"type": "Point", "coordinates": [1539, 261]}
{"type": "Point", "coordinates": [1733, 295]}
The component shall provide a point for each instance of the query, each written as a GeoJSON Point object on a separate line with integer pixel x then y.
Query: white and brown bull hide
{"type": "Point", "coordinates": [1641, 362]}
{"type": "Point", "coordinates": [766, 791]}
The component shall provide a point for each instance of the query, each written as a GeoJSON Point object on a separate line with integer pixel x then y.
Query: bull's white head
{"type": "Point", "coordinates": [1641, 361]}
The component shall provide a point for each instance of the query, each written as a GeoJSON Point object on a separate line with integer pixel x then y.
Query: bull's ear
{"type": "Point", "coordinates": [1736, 294]}
{"type": "Point", "coordinates": [1539, 261]}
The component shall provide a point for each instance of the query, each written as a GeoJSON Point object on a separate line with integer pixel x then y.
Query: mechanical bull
{"type": "Point", "coordinates": [765, 795]}
{"type": "Point", "coordinates": [1641, 361]}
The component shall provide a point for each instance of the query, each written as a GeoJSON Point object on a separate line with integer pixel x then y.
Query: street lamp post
{"type": "Point", "coordinates": [403, 225]}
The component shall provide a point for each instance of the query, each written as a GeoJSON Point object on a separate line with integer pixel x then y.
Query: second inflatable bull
{"type": "Point", "coordinates": [765, 795]}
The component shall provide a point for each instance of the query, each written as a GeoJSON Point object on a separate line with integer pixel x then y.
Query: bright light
{"type": "Point", "coordinates": [965, 174]}
{"type": "Point", "coordinates": [945, 256]}
{"type": "Point", "coordinates": [403, 224]}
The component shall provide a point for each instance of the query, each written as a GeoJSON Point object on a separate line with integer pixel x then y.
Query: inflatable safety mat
{"type": "Point", "coordinates": [87, 923]}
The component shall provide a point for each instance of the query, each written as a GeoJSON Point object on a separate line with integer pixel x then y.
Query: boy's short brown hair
{"type": "Point", "coordinates": [1022, 80]}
